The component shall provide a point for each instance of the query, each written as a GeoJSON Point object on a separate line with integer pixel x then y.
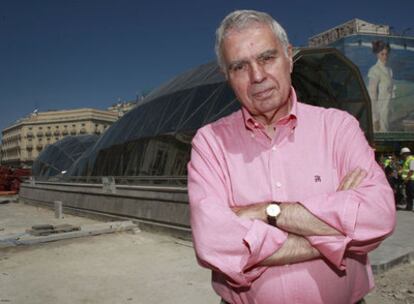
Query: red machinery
{"type": "Point", "coordinates": [10, 179]}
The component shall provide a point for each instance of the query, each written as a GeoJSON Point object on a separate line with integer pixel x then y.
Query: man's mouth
{"type": "Point", "coordinates": [263, 94]}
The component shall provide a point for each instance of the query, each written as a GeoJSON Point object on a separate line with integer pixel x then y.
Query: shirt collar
{"type": "Point", "coordinates": [291, 117]}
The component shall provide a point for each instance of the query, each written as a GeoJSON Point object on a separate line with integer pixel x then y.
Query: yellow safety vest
{"type": "Point", "coordinates": [387, 162]}
{"type": "Point", "coordinates": [406, 167]}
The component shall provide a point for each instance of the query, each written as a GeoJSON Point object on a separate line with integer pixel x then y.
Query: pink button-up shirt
{"type": "Point", "coordinates": [234, 163]}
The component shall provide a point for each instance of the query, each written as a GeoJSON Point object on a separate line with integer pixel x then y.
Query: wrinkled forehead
{"type": "Point", "coordinates": [242, 26]}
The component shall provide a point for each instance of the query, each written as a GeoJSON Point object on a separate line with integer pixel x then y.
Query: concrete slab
{"type": "Point", "coordinates": [4, 198]}
{"type": "Point", "coordinates": [17, 217]}
{"type": "Point", "coordinates": [27, 238]}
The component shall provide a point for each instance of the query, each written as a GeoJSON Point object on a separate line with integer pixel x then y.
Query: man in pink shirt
{"type": "Point", "coordinates": [286, 198]}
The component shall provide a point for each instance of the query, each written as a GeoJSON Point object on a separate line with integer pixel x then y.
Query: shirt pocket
{"type": "Point", "coordinates": [315, 180]}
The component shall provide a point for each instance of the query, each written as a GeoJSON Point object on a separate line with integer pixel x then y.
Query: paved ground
{"type": "Point", "coordinates": [399, 247]}
{"type": "Point", "coordinates": [125, 267]}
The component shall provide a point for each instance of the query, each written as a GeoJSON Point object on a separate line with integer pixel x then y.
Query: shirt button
{"type": "Point", "coordinates": [274, 148]}
{"type": "Point", "coordinates": [278, 184]}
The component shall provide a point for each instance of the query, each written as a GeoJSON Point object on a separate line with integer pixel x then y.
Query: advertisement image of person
{"type": "Point", "coordinates": [270, 229]}
{"type": "Point", "coordinates": [381, 86]}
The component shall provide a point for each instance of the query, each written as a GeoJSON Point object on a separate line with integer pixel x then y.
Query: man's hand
{"type": "Point", "coordinates": [296, 219]}
{"type": "Point", "coordinates": [352, 179]}
{"type": "Point", "coordinates": [258, 211]}
{"type": "Point", "coordinates": [252, 212]}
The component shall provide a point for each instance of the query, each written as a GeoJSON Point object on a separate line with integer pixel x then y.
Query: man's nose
{"type": "Point", "coordinates": [257, 73]}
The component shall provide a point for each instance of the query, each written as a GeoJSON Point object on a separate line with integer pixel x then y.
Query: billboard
{"type": "Point", "coordinates": [387, 66]}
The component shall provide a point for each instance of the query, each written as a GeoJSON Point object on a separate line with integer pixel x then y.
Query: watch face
{"type": "Point", "coordinates": [273, 210]}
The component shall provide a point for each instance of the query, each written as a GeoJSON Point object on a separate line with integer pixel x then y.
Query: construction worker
{"type": "Point", "coordinates": [387, 162]}
{"type": "Point", "coordinates": [408, 176]}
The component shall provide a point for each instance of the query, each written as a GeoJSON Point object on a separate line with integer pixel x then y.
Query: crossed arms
{"type": "Point", "coordinates": [240, 244]}
{"type": "Point", "coordinates": [298, 222]}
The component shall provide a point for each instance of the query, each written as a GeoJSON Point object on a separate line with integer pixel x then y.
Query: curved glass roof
{"type": "Point", "coordinates": [154, 138]}
{"type": "Point", "coordinates": [58, 157]}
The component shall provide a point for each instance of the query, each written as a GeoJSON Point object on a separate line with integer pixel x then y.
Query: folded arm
{"type": "Point", "coordinates": [363, 215]}
{"type": "Point", "coordinates": [223, 241]}
{"type": "Point", "coordinates": [298, 222]}
{"type": "Point", "coordinates": [355, 218]}
{"type": "Point", "coordinates": [296, 248]}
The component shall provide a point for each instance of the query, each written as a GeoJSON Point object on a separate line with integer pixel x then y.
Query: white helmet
{"type": "Point", "coordinates": [405, 150]}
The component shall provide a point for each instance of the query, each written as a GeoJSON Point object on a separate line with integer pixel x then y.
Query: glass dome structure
{"type": "Point", "coordinates": [57, 158]}
{"type": "Point", "coordinates": [154, 138]}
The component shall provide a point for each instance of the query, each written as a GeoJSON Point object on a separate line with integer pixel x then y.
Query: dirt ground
{"type": "Point", "coordinates": [395, 286]}
{"type": "Point", "coordinates": [125, 267]}
{"type": "Point", "coordinates": [134, 268]}
{"type": "Point", "coordinates": [106, 269]}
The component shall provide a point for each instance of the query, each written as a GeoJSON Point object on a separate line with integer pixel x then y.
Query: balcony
{"type": "Point", "coordinates": [82, 131]}
{"type": "Point", "coordinates": [56, 133]}
{"type": "Point", "coordinates": [48, 133]}
{"type": "Point", "coordinates": [73, 132]}
{"type": "Point", "coordinates": [29, 147]}
{"type": "Point", "coordinates": [39, 146]}
{"type": "Point", "coordinates": [29, 134]}
{"type": "Point", "coordinates": [39, 134]}
{"type": "Point", "coordinates": [65, 132]}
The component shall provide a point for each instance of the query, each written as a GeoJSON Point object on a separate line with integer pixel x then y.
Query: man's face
{"type": "Point", "coordinates": [258, 70]}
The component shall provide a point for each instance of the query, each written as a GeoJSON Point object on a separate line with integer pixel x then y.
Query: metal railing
{"type": "Point", "coordinates": [178, 181]}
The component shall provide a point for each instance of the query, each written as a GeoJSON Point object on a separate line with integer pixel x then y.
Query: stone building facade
{"type": "Point", "coordinates": [352, 27]}
{"type": "Point", "coordinates": [24, 140]}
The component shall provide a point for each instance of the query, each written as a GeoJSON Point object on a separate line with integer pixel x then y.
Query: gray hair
{"type": "Point", "coordinates": [243, 19]}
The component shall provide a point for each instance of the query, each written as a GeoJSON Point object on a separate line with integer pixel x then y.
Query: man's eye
{"type": "Point", "coordinates": [237, 67]}
{"type": "Point", "coordinates": [265, 59]}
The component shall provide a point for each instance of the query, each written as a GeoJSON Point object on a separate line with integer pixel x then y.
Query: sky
{"type": "Point", "coordinates": [66, 54]}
